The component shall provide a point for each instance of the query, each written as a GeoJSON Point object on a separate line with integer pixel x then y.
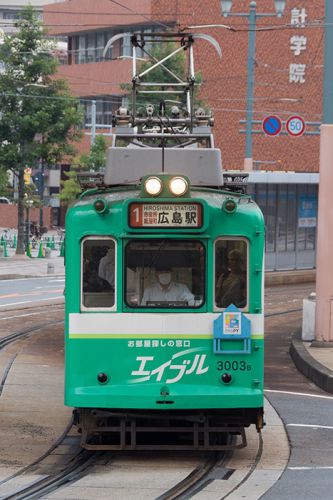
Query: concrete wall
{"type": "Point", "coordinates": [8, 216]}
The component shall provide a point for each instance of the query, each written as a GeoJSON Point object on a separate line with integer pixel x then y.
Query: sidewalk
{"type": "Point", "coordinates": [21, 266]}
{"type": "Point", "coordinates": [316, 363]}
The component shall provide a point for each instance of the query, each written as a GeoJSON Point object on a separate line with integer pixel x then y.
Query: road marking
{"type": "Point", "coordinates": [30, 293]}
{"type": "Point", "coordinates": [19, 316]}
{"type": "Point", "coordinates": [26, 279]}
{"type": "Point", "coordinates": [299, 394]}
{"type": "Point", "coordinates": [327, 467]}
{"type": "Point", "coordinates": [311, 426]}
{"type": "Point", "coordinates": [30, 301]}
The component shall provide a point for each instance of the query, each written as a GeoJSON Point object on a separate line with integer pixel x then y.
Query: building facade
{"type": "Point", "coordinates": [10, 11]}
{"type": "Point", "coordinates": [288, 76]}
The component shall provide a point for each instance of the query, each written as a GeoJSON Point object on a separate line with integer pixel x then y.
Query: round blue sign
{"type": "Point", "coordinates": [272, 125]}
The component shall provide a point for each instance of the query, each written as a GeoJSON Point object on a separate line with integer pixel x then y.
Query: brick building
{"type": "Point", "coordinates": [283, 46]}
{"type": "Point", "coordinates": [288, 81]}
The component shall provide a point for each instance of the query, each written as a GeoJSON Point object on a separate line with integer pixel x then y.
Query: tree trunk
{"type": "Point", "coordinates": [20, 250]}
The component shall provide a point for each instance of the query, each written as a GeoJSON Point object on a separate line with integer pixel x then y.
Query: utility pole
{"type": "Point", "coordinates": [41, 192]}
{"type": "Point", "coordinates": [252, 16]}
{"type": "Point", "coordinates": [324, 279]}
{"type": "Point", "coordinates": [93, 121]}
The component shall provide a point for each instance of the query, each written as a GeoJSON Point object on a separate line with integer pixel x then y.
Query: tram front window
{"type": "Point", "coordinates": [163, 273]}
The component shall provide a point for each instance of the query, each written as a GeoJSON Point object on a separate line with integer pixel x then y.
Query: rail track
{"type": "Point", "coordinates": [212, 467]}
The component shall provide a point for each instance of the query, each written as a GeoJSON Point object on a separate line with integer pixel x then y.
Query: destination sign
{"type": "Point", "coordinates": [167, 215]}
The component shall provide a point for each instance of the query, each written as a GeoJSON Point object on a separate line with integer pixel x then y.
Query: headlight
{"type": "Point", "coordinates": [153, 186]}
{"type": "Point", "coordinates": [178, 186]}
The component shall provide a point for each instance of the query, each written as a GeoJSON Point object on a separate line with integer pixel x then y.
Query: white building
{"type": "Point", "coordinates": [9, 11]}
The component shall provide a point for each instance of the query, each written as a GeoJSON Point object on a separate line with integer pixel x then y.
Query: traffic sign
{"type": "Point", "coordinates": [27, 175]}
{"type": "Point", "coordinates": [295, 126]}
{"type": "Point", "coordinates": [272, 125]}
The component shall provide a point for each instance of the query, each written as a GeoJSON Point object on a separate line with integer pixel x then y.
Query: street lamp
{"type": "Point", "coordinates": [41, 169]}
{"type": "Point", "coordinates": [28, 204]}
{"type": "Point", "coordinates": [252, 16]}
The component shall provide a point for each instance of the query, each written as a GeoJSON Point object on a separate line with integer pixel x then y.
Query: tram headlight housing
{"type": "Point", "coordinates": [101, 206]}
{"type": "Point", "coordinates": [178, 186]}
{"type": "Point", "coordinates": [153, 186]}
{"type": "Point", "coordinates": [164, 185]}
{"type": "Point", "coordinates": [229, 205]}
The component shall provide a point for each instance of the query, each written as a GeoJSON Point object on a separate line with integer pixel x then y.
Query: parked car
{"type": "Point", "coordinates": [4, 200]}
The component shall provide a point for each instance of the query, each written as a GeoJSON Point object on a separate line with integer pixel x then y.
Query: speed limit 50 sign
{"type": "Point", "coordinates": [295, 126]}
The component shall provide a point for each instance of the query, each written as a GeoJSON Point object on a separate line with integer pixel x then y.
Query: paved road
{"type": "Point", "coordinates": [26, 291]}
{"type": "Point", "coordinates": [306, 411]}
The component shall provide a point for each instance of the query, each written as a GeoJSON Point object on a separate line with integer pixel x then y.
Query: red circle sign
{"type": "Point", "coordinates": [272, 125]}
{"type": "Point", "coordinates": [295, 126]}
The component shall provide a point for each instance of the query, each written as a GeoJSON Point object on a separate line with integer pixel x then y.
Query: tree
{"type": "Point", "coordinates": [4, 183]}
{"type": "Point", "coordinates": [95, 161]}
{"type": "Point", "coordinates": [39, 119]}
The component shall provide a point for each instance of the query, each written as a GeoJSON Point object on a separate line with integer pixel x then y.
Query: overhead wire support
{"type": "Point", "coordinates": [176, 84]}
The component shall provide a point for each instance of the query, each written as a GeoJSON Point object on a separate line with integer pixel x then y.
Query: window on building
{"type": "Point", "coordinates": [100, 44]}
{"type": "Point", "coordinates": [106, 106]}
{"type": "Point", "coordinates": [89, 47]}
{"type": "Point", "coordinates": [11, 14]}
{"type": "Point", "coordinates": [81, 49]}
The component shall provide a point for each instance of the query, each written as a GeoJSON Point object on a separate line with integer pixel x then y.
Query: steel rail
{"type": "Point", "coordinates": [194, 478]}
{"type": "Point", "coordinates": [74, 471]}
{"type": "Point", "coordinates": [4, 341]}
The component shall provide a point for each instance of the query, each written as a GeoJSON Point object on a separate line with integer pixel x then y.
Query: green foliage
{"type": "Point", "coordinates": [30, 194]}
{"type": "Point", "coordinates": [4, 183]}
{"type": "Point", "coordinates": [70, 188]}
{"type": "Point", "coordinates": [97, 157]}
{"type": "Point", "coordinates": [39, 118]}
{"type": "Point", "coordinates": [94, 161]}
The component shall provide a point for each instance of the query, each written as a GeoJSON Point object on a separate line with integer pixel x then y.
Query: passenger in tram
{"type": "Point", "coordinates": [166, 290]}
{"type": "Point", "coordinates": [231, 285]}
{"type": "Point", "coordinates": [106, 268]}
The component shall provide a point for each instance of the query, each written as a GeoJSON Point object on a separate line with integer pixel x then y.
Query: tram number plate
{"type": "Point", "coordinates": [233, 365]}
{"type": "Point", "coordinates": [167, 215]}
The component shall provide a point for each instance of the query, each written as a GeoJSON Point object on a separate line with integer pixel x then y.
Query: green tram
{"type": "Point", "coordinates": [164, 342]}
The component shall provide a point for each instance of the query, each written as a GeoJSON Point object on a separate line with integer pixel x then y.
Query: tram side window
{"type": "Point", "coordinates": [98, 273]}
{"type": "Point", "coordinates": [230, 273]}
{"type": "Point", "coordinates": [165, 273]}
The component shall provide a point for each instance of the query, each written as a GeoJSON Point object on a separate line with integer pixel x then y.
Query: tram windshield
{"type": "Point", "coordinates": [164, 273]}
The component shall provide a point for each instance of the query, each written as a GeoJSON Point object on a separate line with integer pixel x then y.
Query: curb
{"type": "Point", "coordinates": [290, 277]}
{"type": "Point", "coordinates": [306, 364]}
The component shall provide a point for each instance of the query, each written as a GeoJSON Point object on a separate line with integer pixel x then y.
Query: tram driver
{"type": "Point", "coordinates": [166, 290]}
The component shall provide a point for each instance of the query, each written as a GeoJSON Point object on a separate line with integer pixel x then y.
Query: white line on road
{"type": "Point", "coordinates": [311, 426]}
{"type": "Point", "coordinates": [30, 301]}
{"type": "Point", "coordinates": [20, 316]}
{"type": "Point", "coordinates": [41, 277]}
{"type": "Point", "coordinates": [328, 467]}
{"type": "Point", "coordinates": [304, 394]}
